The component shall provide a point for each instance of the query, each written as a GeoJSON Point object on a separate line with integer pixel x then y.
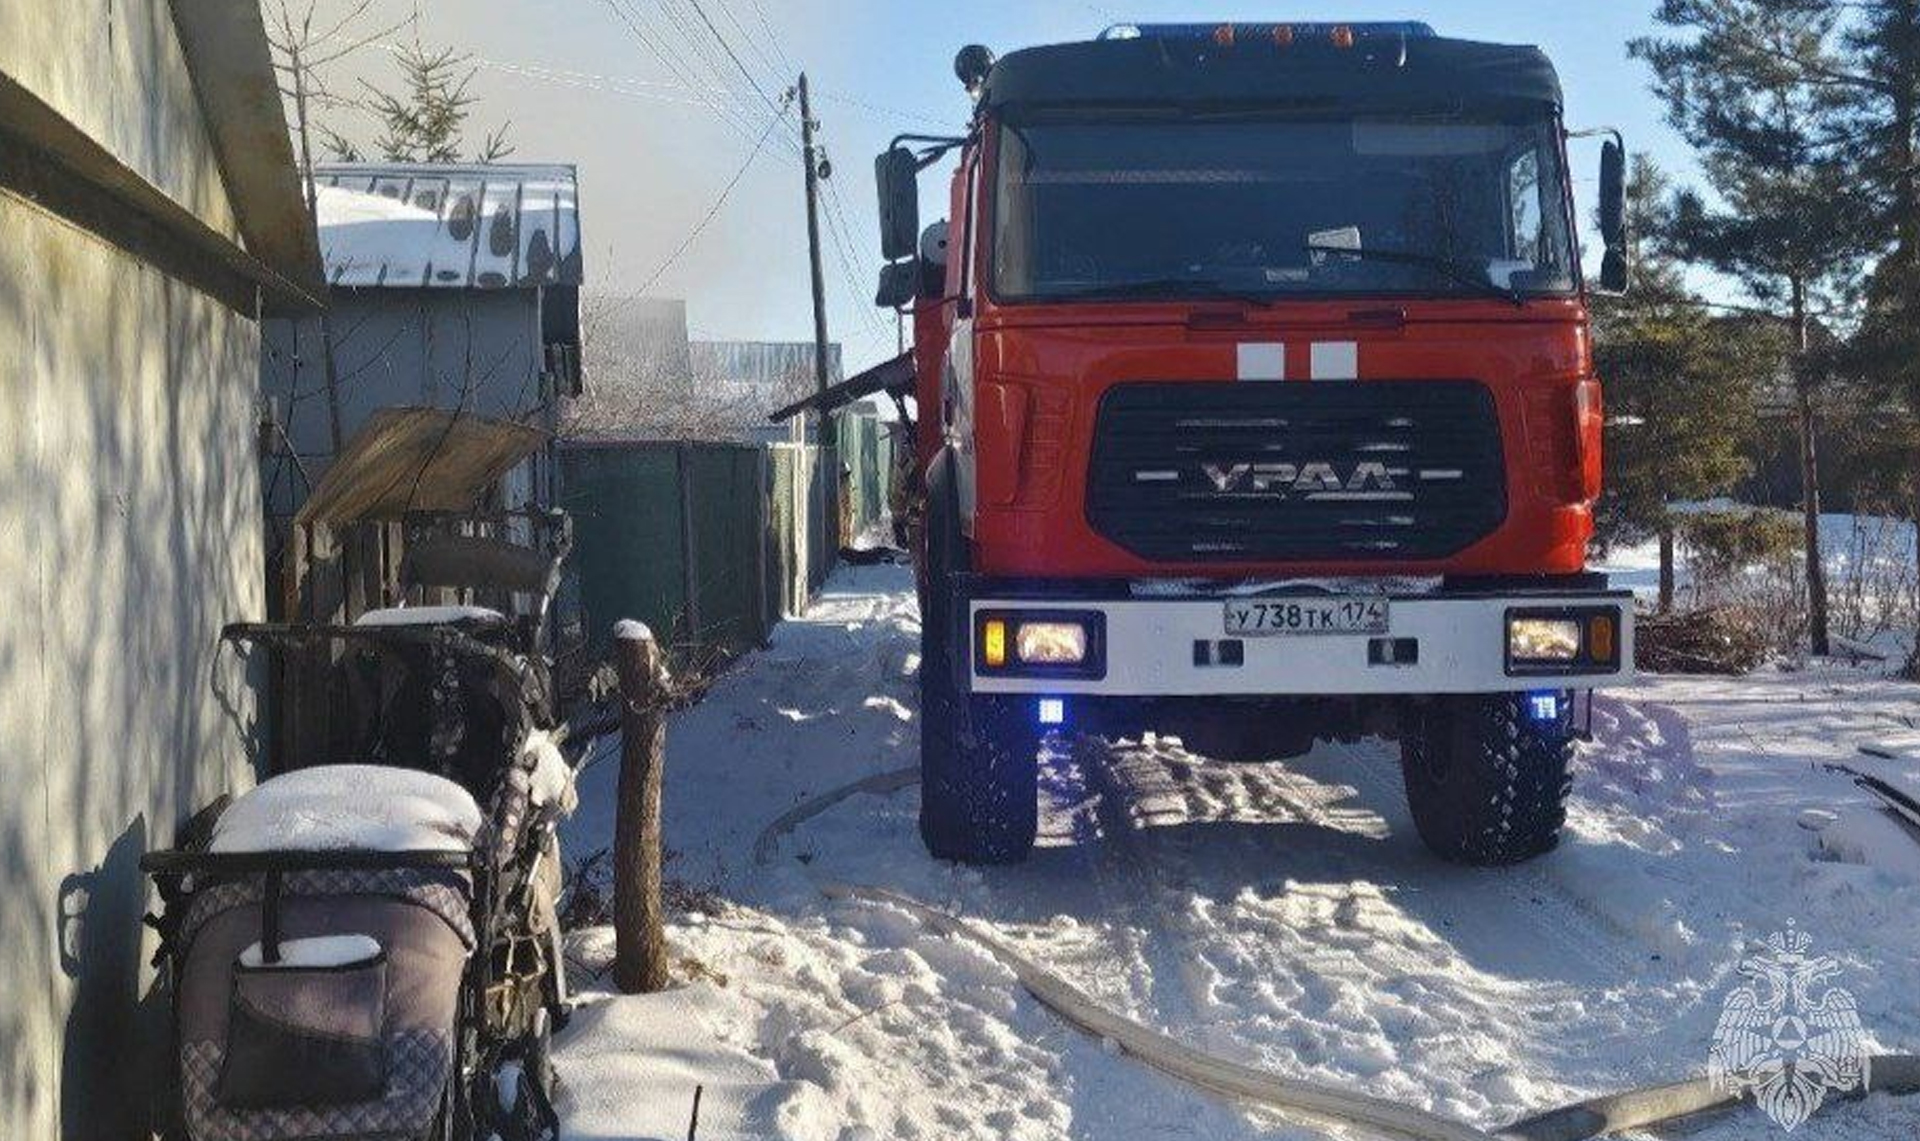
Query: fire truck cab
{"type": "Point", "coordinates": [1255, 403]}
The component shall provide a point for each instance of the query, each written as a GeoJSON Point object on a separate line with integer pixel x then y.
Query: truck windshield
{"type": "Point", "coordinates": [1148, 209]}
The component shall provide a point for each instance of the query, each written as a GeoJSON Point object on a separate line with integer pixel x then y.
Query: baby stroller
{"type": "Point", "coordinates": [367, 944]}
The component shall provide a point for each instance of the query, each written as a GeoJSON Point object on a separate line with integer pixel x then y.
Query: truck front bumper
{"type": "Point", "coordinates": [1177, 645]}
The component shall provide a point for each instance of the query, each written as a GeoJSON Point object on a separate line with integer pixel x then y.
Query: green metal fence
{"type": "Point", "coordinates": [711, 544]}
{"type": "Point", "coordinates": [866, 457]}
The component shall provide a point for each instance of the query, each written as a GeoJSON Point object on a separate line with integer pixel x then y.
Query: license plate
{"type": "Point", "coordinates": [1277, 617]}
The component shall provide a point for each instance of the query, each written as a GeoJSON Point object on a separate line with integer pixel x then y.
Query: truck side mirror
{"type": "Point", "coordinates": [896, 175]}
{"type": "Point", "coordinates": [1613, 217]}
{"type": "Point", "coordinates": [899, 284]}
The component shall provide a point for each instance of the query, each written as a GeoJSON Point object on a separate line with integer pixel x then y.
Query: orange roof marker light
{"type": "Point", "coordinates": [1342, 36]}
{"type": "Point", "coordinates": [1223, 35]}
{"type": "Point", "coordinates": [1283, 35]}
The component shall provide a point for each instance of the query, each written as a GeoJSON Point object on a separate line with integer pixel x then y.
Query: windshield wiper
{"type": "Point", "coordinates": [1174, 288]}
{"type": "Point", "coordinates": [1451, 268]}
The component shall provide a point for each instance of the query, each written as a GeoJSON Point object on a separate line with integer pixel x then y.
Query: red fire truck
{"type": "Point", "coordinates": [1256, 404]}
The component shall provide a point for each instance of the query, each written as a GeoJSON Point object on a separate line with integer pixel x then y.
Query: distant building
{"type": "Point", "coordinates": [149, 211]}
{"type": "Point", "coordinates": [771, 368]}
{"type": "Point", "coordinates": [651, 380]}
{"type": "Point", "coordinates": [452, 287]}
{"type": "Point", "coordinates": [636, 343]}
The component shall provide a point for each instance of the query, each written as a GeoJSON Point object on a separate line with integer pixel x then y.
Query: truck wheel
{"type": "Point", "coordinates": [1486, 782]}
{"type": "Point", "coordinates": [979, 758]}
{"type": "Point", "coordinates": [979, 777]}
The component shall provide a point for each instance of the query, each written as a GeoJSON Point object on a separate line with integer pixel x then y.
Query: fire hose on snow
{"type": "Point", "coordinates": [1597, 1117]}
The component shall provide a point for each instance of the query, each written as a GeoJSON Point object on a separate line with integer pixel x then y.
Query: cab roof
{"type": "Point", "coordinates": [1386, 69]}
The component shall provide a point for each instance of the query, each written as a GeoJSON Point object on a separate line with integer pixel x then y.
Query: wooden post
{"type": "Point", "coordinates": [640, 942]}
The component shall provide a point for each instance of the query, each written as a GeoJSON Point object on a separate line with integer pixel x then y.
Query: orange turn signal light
{"type": "Point", "coordinates": [1600, 633]}
{"type": "Point", "coordinates": [993, 643]}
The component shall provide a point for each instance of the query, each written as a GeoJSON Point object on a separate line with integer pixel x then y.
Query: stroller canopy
{"type": "Point", "coordinates": [369, 808]}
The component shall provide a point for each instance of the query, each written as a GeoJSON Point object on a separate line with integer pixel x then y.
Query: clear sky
{"type": "Point", "coordinates": [580, 86]}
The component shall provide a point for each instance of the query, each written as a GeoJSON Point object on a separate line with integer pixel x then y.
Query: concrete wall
{"type": "Point", "coordinates": [114, 68]}
{"type": "Point", "coordinates": [129, 533]}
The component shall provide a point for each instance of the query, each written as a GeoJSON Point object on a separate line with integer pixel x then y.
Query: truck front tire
{"type": "Point", "coordinates": [979, 778]}
{"type": "Point", "coordinates": [979, 753]}
{"type": "Point", "coordinates": [1486, 781]}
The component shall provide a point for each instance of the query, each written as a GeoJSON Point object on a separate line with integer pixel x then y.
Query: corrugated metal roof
{"type": "Point", "coordinates": [414, 225]}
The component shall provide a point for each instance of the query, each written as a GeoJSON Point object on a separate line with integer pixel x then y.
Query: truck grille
{"type": "Point", "coordinates": [1348, 472]}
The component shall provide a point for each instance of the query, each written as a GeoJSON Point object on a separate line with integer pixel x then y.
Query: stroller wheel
{"type": "Point", "coordinates": [523, 1090]}
{"type": "Point", "coordinates": [531, 1115]}
{"type": "Point", "coordinates": [539, 1060]}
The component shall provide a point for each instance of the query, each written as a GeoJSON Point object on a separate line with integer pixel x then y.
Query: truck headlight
{"type": "Point", "coordinates": [1564, 640]}
{"type": "Point", "coordinates": [1543, 639]}
{"type": "Point", "coordinates": [1051, 643]}
{"type": "Point", "coordinates": [1039, 643]}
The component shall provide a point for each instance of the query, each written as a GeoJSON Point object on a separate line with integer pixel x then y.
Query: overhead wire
{"type": "Point", "coordinates": [727, 47]}
{"type": "Point", "coordinates": [753, 43]}
{"type": "Point", "coordinates": [658, 46]}
{"type": "Point", "coordinates": [718, 204]}
{"type": "Point", "coordinates": [673, 93]}
{"type": "Point", "coordinates": [717, 90]}
{"type": "Point", "coordinates": [772, 35]}
{"type": "Point", "coordinates": [692, 40]}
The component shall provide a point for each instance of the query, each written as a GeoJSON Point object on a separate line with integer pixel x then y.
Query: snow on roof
{"type": "Point", "coordinates": [414, 225]}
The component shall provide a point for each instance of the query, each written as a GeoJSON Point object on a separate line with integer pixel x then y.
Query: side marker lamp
{"type": "Point", "coordinates": [993, 643]}
{"type": "Point", "coordinates": [1600, 638]}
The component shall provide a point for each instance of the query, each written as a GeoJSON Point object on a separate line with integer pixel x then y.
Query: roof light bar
{"type": "Point", "coordinates": [1273, 31]}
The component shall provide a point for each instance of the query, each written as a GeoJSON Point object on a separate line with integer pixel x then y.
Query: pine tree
{"type": "Point", "coordinates": [1680, 385]}
{"type": "Point", "coordinates": [425, 122]}
{"type": "Point", "coordinates": [1882, 83]}
{"type": "Point", "coordinates": [1791, 223]}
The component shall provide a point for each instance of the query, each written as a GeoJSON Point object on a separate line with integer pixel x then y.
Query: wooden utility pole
{"type": "Point", "coordinates": [829, 464]}
{"type": "Point", "coordinates": [639, 921]}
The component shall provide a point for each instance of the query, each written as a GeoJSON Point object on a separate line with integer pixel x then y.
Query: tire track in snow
{"type": "Point", "coordinates": [1275, 984]}
{"type": "Point", "coordinates": [1157, 905]}
{"type": "Point", "coordinates": [1103, 850]}
{"type": "Point", "coordinates": [1550, 909]}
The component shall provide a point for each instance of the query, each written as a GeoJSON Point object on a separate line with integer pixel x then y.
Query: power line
{"type": "Point", "coordinates": [673, 92]}
{"type": "Point", "coordinates": [692, 41]}
{"type": "Point", "coordinates": [629, 16]}
{"type": "Point", "coordinates": [887, 112]}
{"type": "Point", "coordinates": [731, 54]}
{"type": "Point", "coordinates": [753, 44]}
{"type": "Point", "coordinates": [718, 203]}
{"type": "Point", "coordinates": [849, 264]}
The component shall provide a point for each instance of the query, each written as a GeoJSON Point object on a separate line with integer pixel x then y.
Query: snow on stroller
{"type": "Point", "coordinates": [372, 950]}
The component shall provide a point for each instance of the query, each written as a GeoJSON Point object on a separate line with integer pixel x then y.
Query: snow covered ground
{"type": "Point", "coordinates": [1278, 914]}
